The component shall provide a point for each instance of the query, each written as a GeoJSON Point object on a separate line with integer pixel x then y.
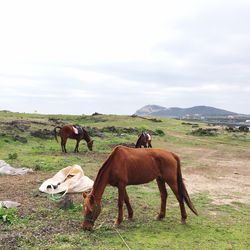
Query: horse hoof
{"type": "Point", "coordinates": [160, 217]}
{"type": "Point", "coordinates": [116, 225]}
{"type": "Point", "coordinates": [183, 221]}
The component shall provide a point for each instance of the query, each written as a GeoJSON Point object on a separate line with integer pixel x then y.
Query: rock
{"type": "Point", "coordinates": [9, 204]}
{"type": "Point", "coordinates": [65, 203]}
{"type": "Point", "coordinates": [5, 168]}
{"type": "Point", "coordinates": [96, 114]}
{"type": "Point", "coordinates": [20, 139]}
{"type": "Point", "coordinates": [43, 134]}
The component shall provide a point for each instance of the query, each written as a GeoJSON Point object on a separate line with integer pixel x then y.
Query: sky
{"type": "Point", "coordinates": [114, 57]}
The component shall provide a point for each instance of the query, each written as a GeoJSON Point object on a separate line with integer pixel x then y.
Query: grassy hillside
{"type": "Point", "coordinates": [40, 224]}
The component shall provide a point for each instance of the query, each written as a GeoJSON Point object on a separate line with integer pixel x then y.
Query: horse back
{"type": "Point", "coordinates": [138, 166]}
{"type": "Point", "coordinates": [67, 131]}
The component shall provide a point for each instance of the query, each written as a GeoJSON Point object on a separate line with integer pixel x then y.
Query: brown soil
{"type": "Point", "coordinates": [24, 189]}
{"type": "Point", "coordinates": [223, 175]}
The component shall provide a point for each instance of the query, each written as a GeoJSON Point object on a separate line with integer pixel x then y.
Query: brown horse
{"type": "Point", "coordinates": [130, 166]}
{"type": "Point", "coordinates": [144, 140]}
{"type": "Point", "coordinates": [69, 131]}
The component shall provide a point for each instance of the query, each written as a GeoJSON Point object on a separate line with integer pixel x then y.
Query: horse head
{"type": "Point", "coordinates": [92, 209]}
{"type": "Point", "coordinates": [142, 140]}
{"type": "Point", "coordinates": [90, 145]}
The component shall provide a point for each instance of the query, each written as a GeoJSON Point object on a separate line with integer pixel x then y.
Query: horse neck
{"type": "Point", "coordinates": [139, 141]}
{"type": "Point", "coordinates": [86, 136]}
{"type": "Point", "coordinates": [100, 183]}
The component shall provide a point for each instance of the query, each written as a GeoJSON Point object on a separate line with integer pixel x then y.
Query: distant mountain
{"type": "Point", "coordinates": [149, 109]}
{"type": "Point", "coordinates": [199, 111]}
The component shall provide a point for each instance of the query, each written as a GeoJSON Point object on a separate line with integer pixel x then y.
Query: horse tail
{"type": "Point", "coordinates": [55, 134]}
{"type": "Point", "coordinates": [182, 188]}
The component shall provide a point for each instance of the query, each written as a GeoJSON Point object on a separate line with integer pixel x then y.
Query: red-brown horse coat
{"type": "Point", "coordinates": [128, 166]}
{"type": "Point", "coordinates": [67, 131]}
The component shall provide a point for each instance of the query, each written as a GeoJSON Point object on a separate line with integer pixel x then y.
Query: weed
{"type": "Point", "coordinates": [159, 132]}
{"type": "Point", "coordinates": [62, 238]}
{"type": "Point", "coordinates": [37, 167]}
{"type": "Point", "coordinates": [12, 156]}
{"type": "Point", "coordinates": [8, 216]}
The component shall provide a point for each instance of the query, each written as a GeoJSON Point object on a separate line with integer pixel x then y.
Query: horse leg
{"type": "Point", "coordinates": [129, 208]}
{"type": "Point", "coordinates": [63, 142]}
{"type": "Point", "coordinates": [175, 190]}
{"type": "Point", "coordinates": [149, 144]}
{"type": "Point", "coordinates": [64, 145]}
{"type": "Point", "coordinates": [121, 196]}
{"type": "Point", "coordinates": [164, 195]}
{"type": "Point", "coordinates": [76, 148]}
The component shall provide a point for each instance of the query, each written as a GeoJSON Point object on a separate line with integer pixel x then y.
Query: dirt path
{"type": "Point", "coordinates": [224, 175]}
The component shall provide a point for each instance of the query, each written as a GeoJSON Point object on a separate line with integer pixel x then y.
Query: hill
{"type": "Point", "coordinates": [200, 111]}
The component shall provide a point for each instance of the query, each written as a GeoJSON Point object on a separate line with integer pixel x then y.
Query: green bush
{"type": "Point", "coordinates": [159, 132]}
{"type": "Point", "coordinates": [12, 156]}
{"type": "Point", "coordinates": [204, 132]}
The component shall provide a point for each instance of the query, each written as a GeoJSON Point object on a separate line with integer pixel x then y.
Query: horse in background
{"type": "Point", "coordinates": [144, 140]}
{"type": "Point", "coordinates": [73, 132]}
{"type": "Point", "coordinates": [130, 166]}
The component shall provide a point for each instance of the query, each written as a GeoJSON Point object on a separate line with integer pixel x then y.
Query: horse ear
{"type": "Point", "coordinates": [89, 200]}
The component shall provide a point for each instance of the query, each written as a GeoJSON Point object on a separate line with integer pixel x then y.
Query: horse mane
{"type": "Point", "coordinates": [87, 137]}
{"type": "Point", "coordinates": [103, 168]}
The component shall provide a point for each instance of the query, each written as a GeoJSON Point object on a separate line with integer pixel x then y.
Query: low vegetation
{"type": "Point", "coordinates": [39, 223]}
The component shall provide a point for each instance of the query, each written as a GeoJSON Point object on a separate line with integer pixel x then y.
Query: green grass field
{"type": "Point", "coordinates": [39, 224]}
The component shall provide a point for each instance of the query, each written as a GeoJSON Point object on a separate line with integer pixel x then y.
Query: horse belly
{"type": "Point", "coordinates": [141, 176]}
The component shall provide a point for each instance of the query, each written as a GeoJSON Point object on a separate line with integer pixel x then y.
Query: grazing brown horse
{"type": "Point", "coordinates": [69, 131]}
{"type": "Point", "coordinates": [130, 166]}
{"type": "Point", "coordinates": [144, 140]}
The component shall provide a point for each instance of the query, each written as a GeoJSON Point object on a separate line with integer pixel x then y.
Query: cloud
{"type": "Point", "coordinates": [86, 57]}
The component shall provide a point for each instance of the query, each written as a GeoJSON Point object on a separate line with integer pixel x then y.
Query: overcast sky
{"type": "Point", "coordinates": [113, 57]}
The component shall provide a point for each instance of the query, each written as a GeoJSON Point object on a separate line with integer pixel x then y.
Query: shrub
{"type": "Point", "coordinates": [12, 156]}
{"type": "Point", "coordinates": [159, 132]}
{"type": "Point", "coordinates": [204, 132]}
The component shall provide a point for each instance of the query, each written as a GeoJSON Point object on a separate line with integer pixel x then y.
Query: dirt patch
{"type": "Point", "coordinates": [19, 187]}
{"type": "Point", "coordinates": [38, 207]}
{"type": "Point", "coordinates": [24, 189]}
{"type": "Point", "coordinates": [224, 175]}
